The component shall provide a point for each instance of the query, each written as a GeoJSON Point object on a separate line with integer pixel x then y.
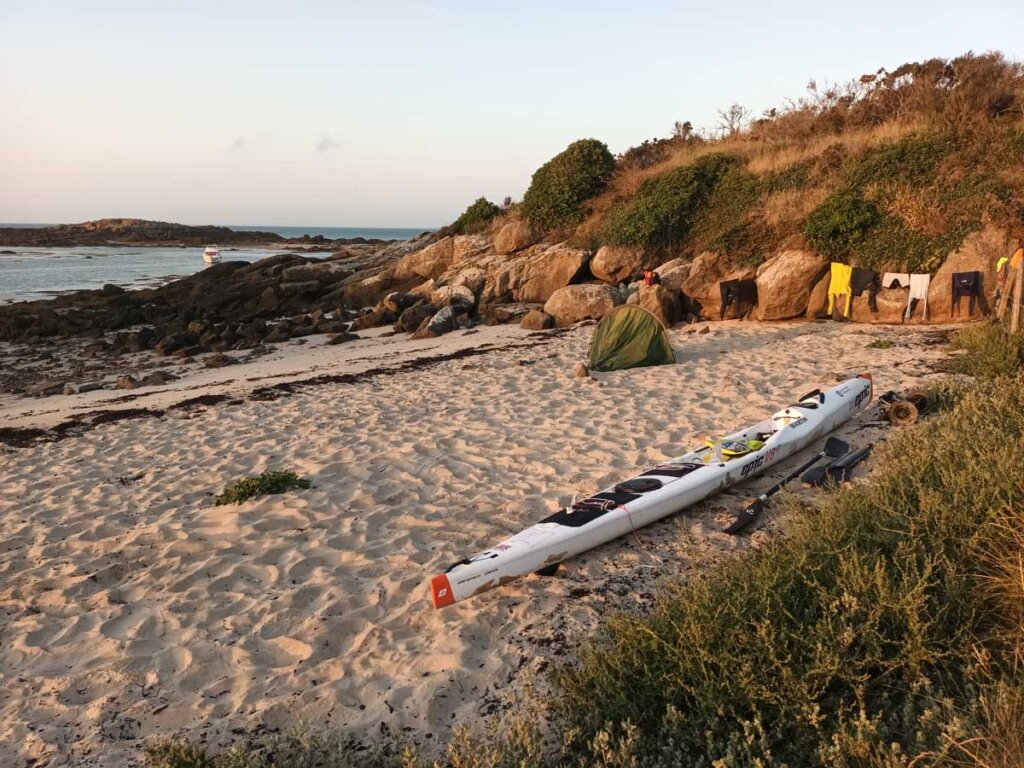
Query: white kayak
{"type": "Point", "coordinates": [655, 493]}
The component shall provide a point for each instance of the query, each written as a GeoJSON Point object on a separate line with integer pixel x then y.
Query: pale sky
{"type": "Point", "coordinates": [399, 113]}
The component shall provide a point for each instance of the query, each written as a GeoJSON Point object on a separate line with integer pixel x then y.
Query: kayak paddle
{"type": "Point", "coordinates": [838, 471]}
{"type": "Point", "coordinates": [834, 448]}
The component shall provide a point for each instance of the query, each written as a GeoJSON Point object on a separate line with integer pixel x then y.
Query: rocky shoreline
{"type": "Point", "coordinates": [426, 287]}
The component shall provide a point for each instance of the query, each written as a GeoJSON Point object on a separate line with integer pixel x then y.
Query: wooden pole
{"type": "Point", "coordinates": [1018, 290]}
{"type": "Point", "coordinates": [1004, 293]}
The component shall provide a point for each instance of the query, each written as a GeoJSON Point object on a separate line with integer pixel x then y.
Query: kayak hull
{"type": "Point", "coordinates": [668, 488]}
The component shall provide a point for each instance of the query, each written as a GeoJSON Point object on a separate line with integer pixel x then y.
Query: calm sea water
{"type": "Point", "coordinates": [40, 273]}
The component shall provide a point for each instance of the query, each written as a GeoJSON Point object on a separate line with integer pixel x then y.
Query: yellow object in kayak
{"type": "Point", "coordinates": [733, 448]}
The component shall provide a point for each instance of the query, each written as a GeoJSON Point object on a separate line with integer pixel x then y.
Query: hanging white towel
{"type": "Point", "coordinates": [918, 290]}
{"type": "Point", "coordinates": [896, 280]}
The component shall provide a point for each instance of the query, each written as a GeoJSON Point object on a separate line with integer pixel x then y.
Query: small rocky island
{"type": "Point", "coordinates": [114, 232]}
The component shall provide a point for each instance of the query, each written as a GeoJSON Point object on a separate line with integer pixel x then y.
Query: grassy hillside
{"type": "Point", "coordinates": [893, 169]}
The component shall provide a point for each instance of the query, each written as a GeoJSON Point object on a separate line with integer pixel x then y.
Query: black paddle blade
{"type": "Point", "coordinates": [814, 477]}
{"type": "Point", "coordinates": [834, 447]}
{"type": "Point", "coordinates": [747, 516]}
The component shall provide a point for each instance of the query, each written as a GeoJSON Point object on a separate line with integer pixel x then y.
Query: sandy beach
{"type": "Point", "coordinates": [133, 607]}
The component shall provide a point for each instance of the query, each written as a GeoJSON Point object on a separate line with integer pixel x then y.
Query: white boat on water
{"type": "Point", "coordinates": [211, 255]}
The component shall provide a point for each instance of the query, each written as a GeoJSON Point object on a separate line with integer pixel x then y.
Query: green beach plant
{"type": "Point", "coordinates": [264, 484]}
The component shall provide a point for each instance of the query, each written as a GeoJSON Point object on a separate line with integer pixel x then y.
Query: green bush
{"type": "Point", "coordinates": [912, 160]}
{"type": "Point", "coordinates": [261, 485]}
{"type": "Point", "coordinates": [560, 187]}
{"type": "Point", "coordinates": [665, 207]}
{"type": "Point", "coordinates": [796, 176]}
{"type": "Point", "coordinates": [474, 219]}
{"type": "Point", "coordinates": [841, 224]}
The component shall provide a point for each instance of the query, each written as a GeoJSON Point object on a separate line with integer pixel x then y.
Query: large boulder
{"type": "Point", "coordinates": [616, 263]}
{"type": "Point", "coordinates": [414, 317]}
{"type": "Point", "coordinates": [706, 272]}
{"type": "Point", "coordinates": [978, 253]}
{"type": "Point", "coordinates": [817, 300]}
{"type": "Point", "coordinates": [429, 263]}
{"type": "Point", "coordinates": [891, 303]}
{"type": "Point", "coordinates": [537, 320]}
{"type": "Point", "coordinates": [515, 236]}
{"type": "Point", "coordinates": [453, 294]}
{"type": "Point", "coordinates": [784, 284]}
{"type": "Point", "coordinates": [674, 273]}
{"type": "Point", "coordinates": [578, 302]}
{"type": "Point", "coordinates": [661, 302]}
{"type": "Point", "coordinates": [550, 270]}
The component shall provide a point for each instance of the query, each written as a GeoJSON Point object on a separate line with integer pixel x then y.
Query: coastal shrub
{"type": "Point", "coordinates": [296, 749]}
{"type": "Point", "coordinates": [875, 633]}
{"type": "Point", "coordinates": [796, 176]}
{"type": "Point", "coordinates": [560, 187]}
{"type": "Point", "coordinates": [474, 219]}
{"type": "Point", "coordinates": [912, 160]}
{"type": "Point", "coordinates": [261, 485]}
{"type": "Point", "coordinates": [988, 351]}
{"type": "Point", "coordinates": [841, 223]}
{"type": "Point", "coordinates": [664, 208]}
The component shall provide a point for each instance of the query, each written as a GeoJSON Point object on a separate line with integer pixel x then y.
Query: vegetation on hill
{"type": "Point", "coordinates": [560, 188]}
{"type": "Point", "coordinates": [474, 219]}
{"type": "Point", "coordinates": [893, 169]}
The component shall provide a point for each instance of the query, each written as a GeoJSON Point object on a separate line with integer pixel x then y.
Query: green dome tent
{"type": "Point", "coordinates": [629, 337]}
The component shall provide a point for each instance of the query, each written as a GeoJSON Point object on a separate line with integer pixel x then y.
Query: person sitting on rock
{"type": "Point", "coordinates": [651, 277]}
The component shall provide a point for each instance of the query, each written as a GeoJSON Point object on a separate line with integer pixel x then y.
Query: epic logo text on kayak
{"type": "Point", "coordinates": [760, 460]}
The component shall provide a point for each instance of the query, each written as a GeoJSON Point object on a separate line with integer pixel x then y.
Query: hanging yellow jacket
{"type": "Point", "coordinates": [1014, 260]}
{"type": "Point", "coordinates": [838, 285]}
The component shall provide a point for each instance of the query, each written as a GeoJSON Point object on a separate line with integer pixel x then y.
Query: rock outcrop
{"type": "Point", "coordinates": [706, 272]}
{"type": "Point", "coordinates": [784, 284]}
{"type": "Point", "coordinates": [579, 302]}
{"type": "Point", "coordinates": [537, 320]}
{"type": "Point", "coordinates": [662, 302]}
{"type": "Point", "coordinates": [429, 263]}
{"type": "Point", "coordinates": [515, 236]}
{"type": "Point", "coordinates": [979, 253]}
{"type": "Point", "coordinates": [615, 264]}
{"type": "Point", "coordinates": [548, 271]}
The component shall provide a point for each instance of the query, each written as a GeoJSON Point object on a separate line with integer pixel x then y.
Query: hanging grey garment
{"type": "Point", "coordinates": [918, 290]}
{"type": "Point", "coordinates": [895, 280]}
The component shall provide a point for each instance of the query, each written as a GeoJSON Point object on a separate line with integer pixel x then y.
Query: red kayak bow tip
{"type": "Point", "coordinates": [441, 591]}
{"type": "Point", "coordinates": [871, 392]}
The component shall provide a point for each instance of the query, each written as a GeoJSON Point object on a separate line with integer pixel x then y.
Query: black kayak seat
{"type": "Point", "coordinates": [639, 485]}
{"type": "Point", "coordinates": [673, 470]}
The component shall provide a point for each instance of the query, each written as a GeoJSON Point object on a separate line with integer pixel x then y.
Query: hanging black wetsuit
{"type": "Point", "coordinates": [868, 279]}
{"type": "Point", "coordinates": [965, 284]}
